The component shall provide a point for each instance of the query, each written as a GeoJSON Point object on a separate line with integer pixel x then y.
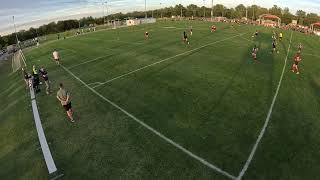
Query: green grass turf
{"type": "Point", "coordinates": [212, 101]}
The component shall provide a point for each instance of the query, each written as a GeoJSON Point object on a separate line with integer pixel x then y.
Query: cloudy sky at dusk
{"type": "Point", "coordinates": [37, 12]}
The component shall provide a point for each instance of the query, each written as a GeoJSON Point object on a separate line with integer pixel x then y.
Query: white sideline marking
{"type": "Point", "coordinates": [245, 167]}
{"type": "Point", "coordinates": [91, 84]}
{"type": "Point", "coordinates": [206, 163]}
{"type": "Point", "coordinates": [158, 62]}
{"type": "Point", "coordinates": [42, 138]}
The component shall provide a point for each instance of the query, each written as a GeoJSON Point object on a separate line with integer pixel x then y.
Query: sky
{"type": "Point", "coordinates": [33, 13]}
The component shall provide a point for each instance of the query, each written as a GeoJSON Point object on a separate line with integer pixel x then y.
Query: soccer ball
{"type": "Point", "coordinates": [252, 36]}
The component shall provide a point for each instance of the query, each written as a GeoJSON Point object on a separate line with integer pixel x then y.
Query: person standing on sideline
{"type": "Point", "coordinates": [44, 75]}
{"type": "Point", "coordinates": [36, 80]}
{"type": "Point", "coordinates": [56, 57]}
{"type": "Point", "coordinates": [26, 77]}
{"type": "Point", "coordinates": [64, 97]}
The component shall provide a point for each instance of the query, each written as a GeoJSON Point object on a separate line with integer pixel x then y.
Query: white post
{"type": "Point", "coordinates": [211, 10]}
{"type": "Point", "coordinates": [145, 8]}
{"type": "Point", "coordinates": [204, 9]}
{"type": "Point", "coordinates": [161, 9]}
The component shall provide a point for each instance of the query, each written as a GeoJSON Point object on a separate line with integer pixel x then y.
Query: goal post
{"type": "Point", "coordinates": [18, 61]}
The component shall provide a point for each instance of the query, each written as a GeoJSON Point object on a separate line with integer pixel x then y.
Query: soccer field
{"type": "Point", "coordinates": [160, 109]}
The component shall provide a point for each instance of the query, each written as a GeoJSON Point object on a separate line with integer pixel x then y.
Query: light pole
{"type": "Point", "coordinates": [15, 31]}
{"type": "Point", "coordinates": [204, 9]}
{"type": "Point", "coordinates": [253, 9]}
{"type": "Point", "coordinates": [211, 10]}
{"type": "Point", "coordinates": [161, 9]}
{"type": "Point", "coordinates": [103, 13]}
{"type": "Point", "coordinates": [145, 8]}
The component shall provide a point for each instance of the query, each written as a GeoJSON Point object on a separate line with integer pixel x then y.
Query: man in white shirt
{"type": "Point", "coordinates": [56, 57]}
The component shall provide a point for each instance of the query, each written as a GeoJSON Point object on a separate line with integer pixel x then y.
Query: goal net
{"type": "Point", "coordinates": [18, 61]}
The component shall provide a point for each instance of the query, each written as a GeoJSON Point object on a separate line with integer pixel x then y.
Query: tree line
{"type": "Point", "coordinates": [240, 11]}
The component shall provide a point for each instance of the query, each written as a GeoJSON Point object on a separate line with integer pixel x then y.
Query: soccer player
{"type": "Point", "coordinates": [26, 77]}
{"type": "Point", "coordinates": [300, 47]}
{"type": "Point", "coordinates": [254, 52]}
{"type": "Point", "coordinates": [146, 35]}
{"type": "Point", "coordinates": [36, 80]}
{"type": "Point", "coordinates": [256, 33]}
{"type": "Point", "coordinates": [44, 75]}
{"type": "Point", "coordinates": [213, 28]}
{"type": "Point", "coordinates": [65, 99]}
{"type": "Point", "coordinates": [274, 36]}
{"type": "Point", "coordinates": [56, 57]}
{"type": "Point", "coordinates": [280, 36]}
{"type": "Point", "coordinates": [191, 31]}
{"type": "Point", "coordinates": [185, 37]}
{"type": "Point", "coordinates": [274, 47]}
{"type": "Point", "coordinates": [297, 59]}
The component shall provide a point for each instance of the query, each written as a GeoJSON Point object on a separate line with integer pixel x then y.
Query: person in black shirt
{"type": "Point", "coordinates": [185, 37]}
{"type": "Point", "coordinates": [26, 77]}
{"type": "Point", "coordinates": [44, 76]}
{"type": "Point", "coordinates": [36, 80]}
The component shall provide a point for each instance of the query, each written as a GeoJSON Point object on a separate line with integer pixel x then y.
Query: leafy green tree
{"type": "Point", "coordinates": [301, 15]}
{"type": "Point", "coordinates": [240, 11]}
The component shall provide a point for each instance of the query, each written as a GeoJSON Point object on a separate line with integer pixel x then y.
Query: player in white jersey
{"type": "Point", "coordinates": [56, 57]}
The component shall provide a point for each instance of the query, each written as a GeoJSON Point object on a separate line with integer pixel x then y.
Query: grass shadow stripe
{"type": "Point", "coordinates": [166, 59]}
{"type": "Point", "coordinates": [184, 150]}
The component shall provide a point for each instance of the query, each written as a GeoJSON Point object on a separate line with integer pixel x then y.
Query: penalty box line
{"type": "Point", "coordinates": [263, 130]}
{"type": "Point", "coordinates": [176, 145]}
{"type": "Point", "coordinates": [166, 59]}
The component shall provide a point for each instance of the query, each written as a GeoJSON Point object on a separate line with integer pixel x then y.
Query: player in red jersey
{"type": "Point", "coordinates": [297, 59]}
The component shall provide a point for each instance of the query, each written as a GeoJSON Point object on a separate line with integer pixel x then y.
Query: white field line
{"type": "Point", "coordinates": [42, 138]}
{"type": "Point", "coordinates": [201, 160]}
{"type": "Point", "coordinates": [89, 61]}
{"type": "Point", "coordinates": [126, 42]}
{"type": "Point", "coordinates": [73, 51]}
{"type": "Point", "coordinates": [242, 36]}
{"type": "Point", "coordinates": [311, 55]}
{"type": "Point", "coordinates": [116, 40]}
{"type": "Point", "coordinates": [91, 84]}
{"type": "Point", "coordinates": [245, 167]}
{"type": "Point", "coordinates": [158, 62]}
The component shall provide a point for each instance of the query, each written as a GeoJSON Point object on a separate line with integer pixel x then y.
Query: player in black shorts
{"type": "Point", "coordinates": [274, 47]}
{"type": "Point", "coordinates": [254, 52]}
{"type": "Point", "coordinates": [146, 35]}
{"type": "Point", "coordinates": [36, 80]}
{"type": "Point", "coordinates": [44, 75]}
{"type": "Point", "coordinates": [185, 37]}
